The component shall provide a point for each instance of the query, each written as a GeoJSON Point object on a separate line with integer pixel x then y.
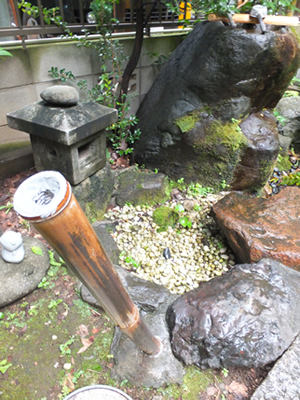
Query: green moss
{"type": "Point", "coordinates": [266, 168]}
{"type": "Point", "coordinates": [218, 152]}
{"type": "Point", "coordinates": [283, 163]}
{"type": "Point", "coordinates": [196, 381]}
{"type": "Point", "coordinates": [8, 147]}
{"type": "Point", "coordinates": [228, 134]}
{"type": "Point", "coordinates": [165, 217]}
{"type": "Point", "coordinates": [187, 122]}
{"type": "Point", "coordinates": [92, 213]}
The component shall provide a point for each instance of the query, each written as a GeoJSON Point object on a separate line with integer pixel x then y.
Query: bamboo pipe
{"type": "Point", "coordinates": [246, 19]}
{"type": "Point", "coordinates": [46, 200]}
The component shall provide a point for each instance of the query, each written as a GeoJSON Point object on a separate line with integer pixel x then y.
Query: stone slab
{"type": "Point", "coordinates": [283, 381]}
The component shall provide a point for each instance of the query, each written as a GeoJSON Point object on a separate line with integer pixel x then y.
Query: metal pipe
{"type": "Point", "coordinates": [46, 200]}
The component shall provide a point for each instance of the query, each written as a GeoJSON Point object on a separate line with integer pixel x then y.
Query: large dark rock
{"type": "Point", "coordinates": [246, 318]}
{"type": "Point", "coordinates": [217, 76]}
{"type": "Point", "coordinates": [256, 227]}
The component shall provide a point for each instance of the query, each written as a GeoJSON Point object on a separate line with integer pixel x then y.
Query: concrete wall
{"type": "Point", "coordinates": [25, 75]}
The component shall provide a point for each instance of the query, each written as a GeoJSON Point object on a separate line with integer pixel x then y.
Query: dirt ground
{"type": "Point", "coordinates": [52, 343]}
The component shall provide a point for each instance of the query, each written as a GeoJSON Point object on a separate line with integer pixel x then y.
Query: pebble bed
{"type": "Point", "coordinates": [195, 254]}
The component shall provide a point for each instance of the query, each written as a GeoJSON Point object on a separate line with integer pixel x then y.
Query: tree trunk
{"type": "Point", "coordinates": [135, 55]}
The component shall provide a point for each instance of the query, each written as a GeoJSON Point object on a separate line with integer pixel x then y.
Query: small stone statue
{"type": "Point", "coordinates": [12, 247]}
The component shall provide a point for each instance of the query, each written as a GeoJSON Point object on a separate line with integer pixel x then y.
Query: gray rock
{"type": "Point", "coordinates": [140, 187]}
{"type": "Point", "coordinates": [282, 382]}
{"type": "Point", "coordinates": [285, 144]}
{"type": "Point", "coordinates": [148, 296]}
{"type": "Point", "coordinates": [289, 108]}
{"type": "Point", "coordinates": [94, 193]}
{"type": "Point", "coordinates": [189, 132]}
{"type": "Point", "coordinates": [59, 95]}
{"type": "Point", "coordinates": [107, 241]}
{"type": "Point", "coordinates": [245, 318]}
{"type": "Point", "coordinates": [139, 369]}
{"type": "Point", "coordinates": [17, 280]}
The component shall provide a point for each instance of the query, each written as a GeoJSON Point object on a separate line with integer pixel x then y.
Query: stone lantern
{"type": "Point", "coordinates": [66, 135]}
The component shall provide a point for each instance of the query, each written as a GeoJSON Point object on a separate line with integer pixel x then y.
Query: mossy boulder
{"type": "Point", "coordinates": [191, 118]}
{"type": "Point", "coordinates": [165, 217]}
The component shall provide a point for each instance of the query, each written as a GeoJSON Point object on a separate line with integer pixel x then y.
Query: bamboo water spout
{"type": "Point", "coordinates": [46, 200]}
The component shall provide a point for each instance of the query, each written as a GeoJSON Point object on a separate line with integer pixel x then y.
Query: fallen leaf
{"type": "Point", "coordinates": [95, 330]}
{"type": "Point", "coordinates": [83, 330]}
{"type": "Point", "coordinates": [22, 331]}
{"type": "Point", "coordinates": [212, 391]}
{"type": "Point", "coordinates": [238, 389]}
{"type": "Point", "coordinates": [69, 382]}
{"type": "Point", "coordinates": [86, 344]}
{"type": "Point", "coordinates": [64, 314]}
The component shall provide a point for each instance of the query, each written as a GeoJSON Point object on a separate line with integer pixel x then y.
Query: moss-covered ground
{"type": "Point", "coordinates": [43, 338]}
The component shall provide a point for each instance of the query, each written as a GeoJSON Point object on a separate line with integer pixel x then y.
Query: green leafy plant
{"type": "Point", "coordinates": [179, 208]}
{"type": "Point", "coordinates": [135, 264]}
{"type": "Point", "coordinates": [197, 207]}
{"type": "Point", "coordinates": [292, 179]}
{"type": "Point", "coordinates": [49, 15]}
{"type": "Point", "coordinates": [37, 250]}
{"type": "Point", "coordinates": [185, 222]}
{"type": "Point", "coordinates": [54, 303]}
{"type": "Point", "coordinates": [44, 284]}
{"type": "Point", "coordinates": [225, 372]}
{"type": "Point", "coordinates": [195, 189]}
{"type": "Point", "coordinates": [65, 347]}
{"type": "Point", "coordinates": [4, 365]}
{"type": "Point", "coordinates": [224, 7]}
{"type": "Point", "coordinates": [279, 117]}
{"type": "Point", "coordinates": [8, 207]}
{"type": "Point", "coordinates": [4, 53]}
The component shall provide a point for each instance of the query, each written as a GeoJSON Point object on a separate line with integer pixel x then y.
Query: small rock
{"type": "Point", "coordinates": [60, 95]}
{"type": "Point", "coordinates": [167, 253]}
{"type": "Point", "coordinates": [189, 205]}
{"type": "Point", "coordinates": [67, 366]}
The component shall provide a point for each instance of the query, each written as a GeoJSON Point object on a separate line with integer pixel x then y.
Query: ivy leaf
{"type": "Point", "coordinates": [37, 250]}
